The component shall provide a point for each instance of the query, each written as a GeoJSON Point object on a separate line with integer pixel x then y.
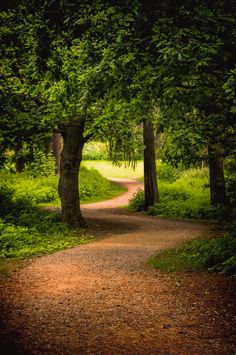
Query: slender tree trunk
{"type": "Point", "coordinates": [47, 147]}
{"type": "Point", "coordinates": [20, 160]}
{"type": "Point", "coordinates": [150, 177]}
{"type": "Point", "coordinates": [57, 149]}
{"type": "Point", "coordinates": [217, 180]}
{"type": "Point", "coordinates": [71, 157]}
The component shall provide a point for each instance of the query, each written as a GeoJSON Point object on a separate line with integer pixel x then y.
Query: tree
{"type": "Point", "coordinates": [151, 195]}
{"type": "Point", "coordinates": [23, 112]}
{"type": "Point", "coordinates": [57, 149]}
{"type": "Point", "coordinates": [197, 47]}
{"type": "Point", "coordinates": [71, 157]}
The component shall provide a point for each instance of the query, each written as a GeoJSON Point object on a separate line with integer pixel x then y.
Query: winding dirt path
{"type": "Point", "coordinates": [102, 298]}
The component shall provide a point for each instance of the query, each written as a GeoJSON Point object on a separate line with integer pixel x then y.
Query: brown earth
{"type": "Point", "coordinates": [102, 298]}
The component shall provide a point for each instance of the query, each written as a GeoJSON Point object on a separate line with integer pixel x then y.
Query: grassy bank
{"type": "Point", "coordinates": [185, 194]}
{"type": "Point", "coordinates": [217, 254]}
{"type": "Point", "coordinates": [39, 190]}
{"type": "Point", "coordinates": [26, 229]}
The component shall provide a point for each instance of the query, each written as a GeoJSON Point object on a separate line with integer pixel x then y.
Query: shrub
{"type": "Point", "coordinates": [137, 201]}
{"type": "Point", "coordinates": [27, 189]}
{"type": "Point", "coordinates": [167, 172]}
{"type": "Point", "coordinates": [217, 254]}
{"type": "Point", "coordinates": [230, 174]}
{"type": "Point", "coordinates": [41, 165]}
{"type": "Point", "coordinates": [186, 197]}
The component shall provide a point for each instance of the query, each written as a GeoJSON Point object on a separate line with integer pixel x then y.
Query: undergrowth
{"type": "Point", "coordinates": [217, 254]}
{"type": "Point", "coordinates": [25, 228]}
{"type": "Point", "coordinates": [185, 194]}
{"type": "Point", "coordinates": [44, 189]}
{"type": "Point", "coordinates": [188, 196]}
{"type": "Point", "coordinates": [36, 233]}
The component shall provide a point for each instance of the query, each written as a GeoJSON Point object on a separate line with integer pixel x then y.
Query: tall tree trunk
{"type": "Point", "coordinates": [150, 178]}
{"type": "Point", "coordinates": [71, 157]}
{"type": "Point", "coordinates": [20, 160]}
{"type": "Point", "coordinates": [57, 149]}
{"type": "Point", "coordinates": [217, 180]}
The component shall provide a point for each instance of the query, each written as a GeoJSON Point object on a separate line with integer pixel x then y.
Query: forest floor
{"type": "Point", "coordinates": [103, 298]}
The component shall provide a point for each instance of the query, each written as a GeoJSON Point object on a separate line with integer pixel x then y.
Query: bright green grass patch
{"type": "Point", "coordinates": [94, 187]}
{"type": "Point", "coordinates": [186, 197]}
{"type": "Point", "coordinates": [109, 170]}
{"type": "Point", "coordinates": [218, 254]}
{"type": "Point", "coordinates": [43, 190]}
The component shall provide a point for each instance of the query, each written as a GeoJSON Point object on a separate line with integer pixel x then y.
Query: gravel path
{"type": "Point", "coordinates": [102, 298]}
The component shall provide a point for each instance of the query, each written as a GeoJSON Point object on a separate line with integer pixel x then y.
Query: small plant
{"type": "Point", "coordinates": [41, 165]}
{"type": "Point", "coordinates": [137, 201]}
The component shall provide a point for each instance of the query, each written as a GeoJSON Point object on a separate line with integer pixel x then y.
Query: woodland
{"type": "Point", "coordinates": [148, 79]}
{"type": "Point", "coordinates": [118, 132]}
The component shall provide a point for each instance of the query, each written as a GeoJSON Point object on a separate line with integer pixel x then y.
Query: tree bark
{"type": "Point", "coordinates": [57, 149]}
{"type": "Point", "coordinates": [217, 180]}
{"type": "Point", "coordinates": [71, 157]}
{"type": "Point", "coordinates": [20, 160]}
{"type": "Point", "coordinates": [150, 178]}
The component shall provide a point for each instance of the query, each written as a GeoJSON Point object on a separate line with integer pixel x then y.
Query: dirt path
{"type": "Point", "coordinates": [102, 298]}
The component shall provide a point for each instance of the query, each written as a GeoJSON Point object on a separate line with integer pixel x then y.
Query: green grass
{"type": "Point", "coordinates": [218, 254]}
{"type": "Point", "coordinates": [109, 170]}
{"type": "Point", "coordinates": [186, 197]}
{"type": "Point", "coordinates": [94, 187]}
{"type": "Point", "coordinates": [36, 233]}
{"type": "Point", "coordinates": [185, 194]}
{"type": "Point", "coordinates": [43, 190]}
{"type": "Point", "coordinates": [26, 229]}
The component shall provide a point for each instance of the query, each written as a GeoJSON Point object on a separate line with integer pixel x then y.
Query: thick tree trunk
{"type": "Point", "coordinates": [57, 149]}
{"type": "Point", "coordinates": [217, 180]}
{"type": "Point", "coordinates": [150, 177]}
{"type": "Point", "coordinates": [71, 157]}
{"type": "Point", "coordinates": [20, 160]}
